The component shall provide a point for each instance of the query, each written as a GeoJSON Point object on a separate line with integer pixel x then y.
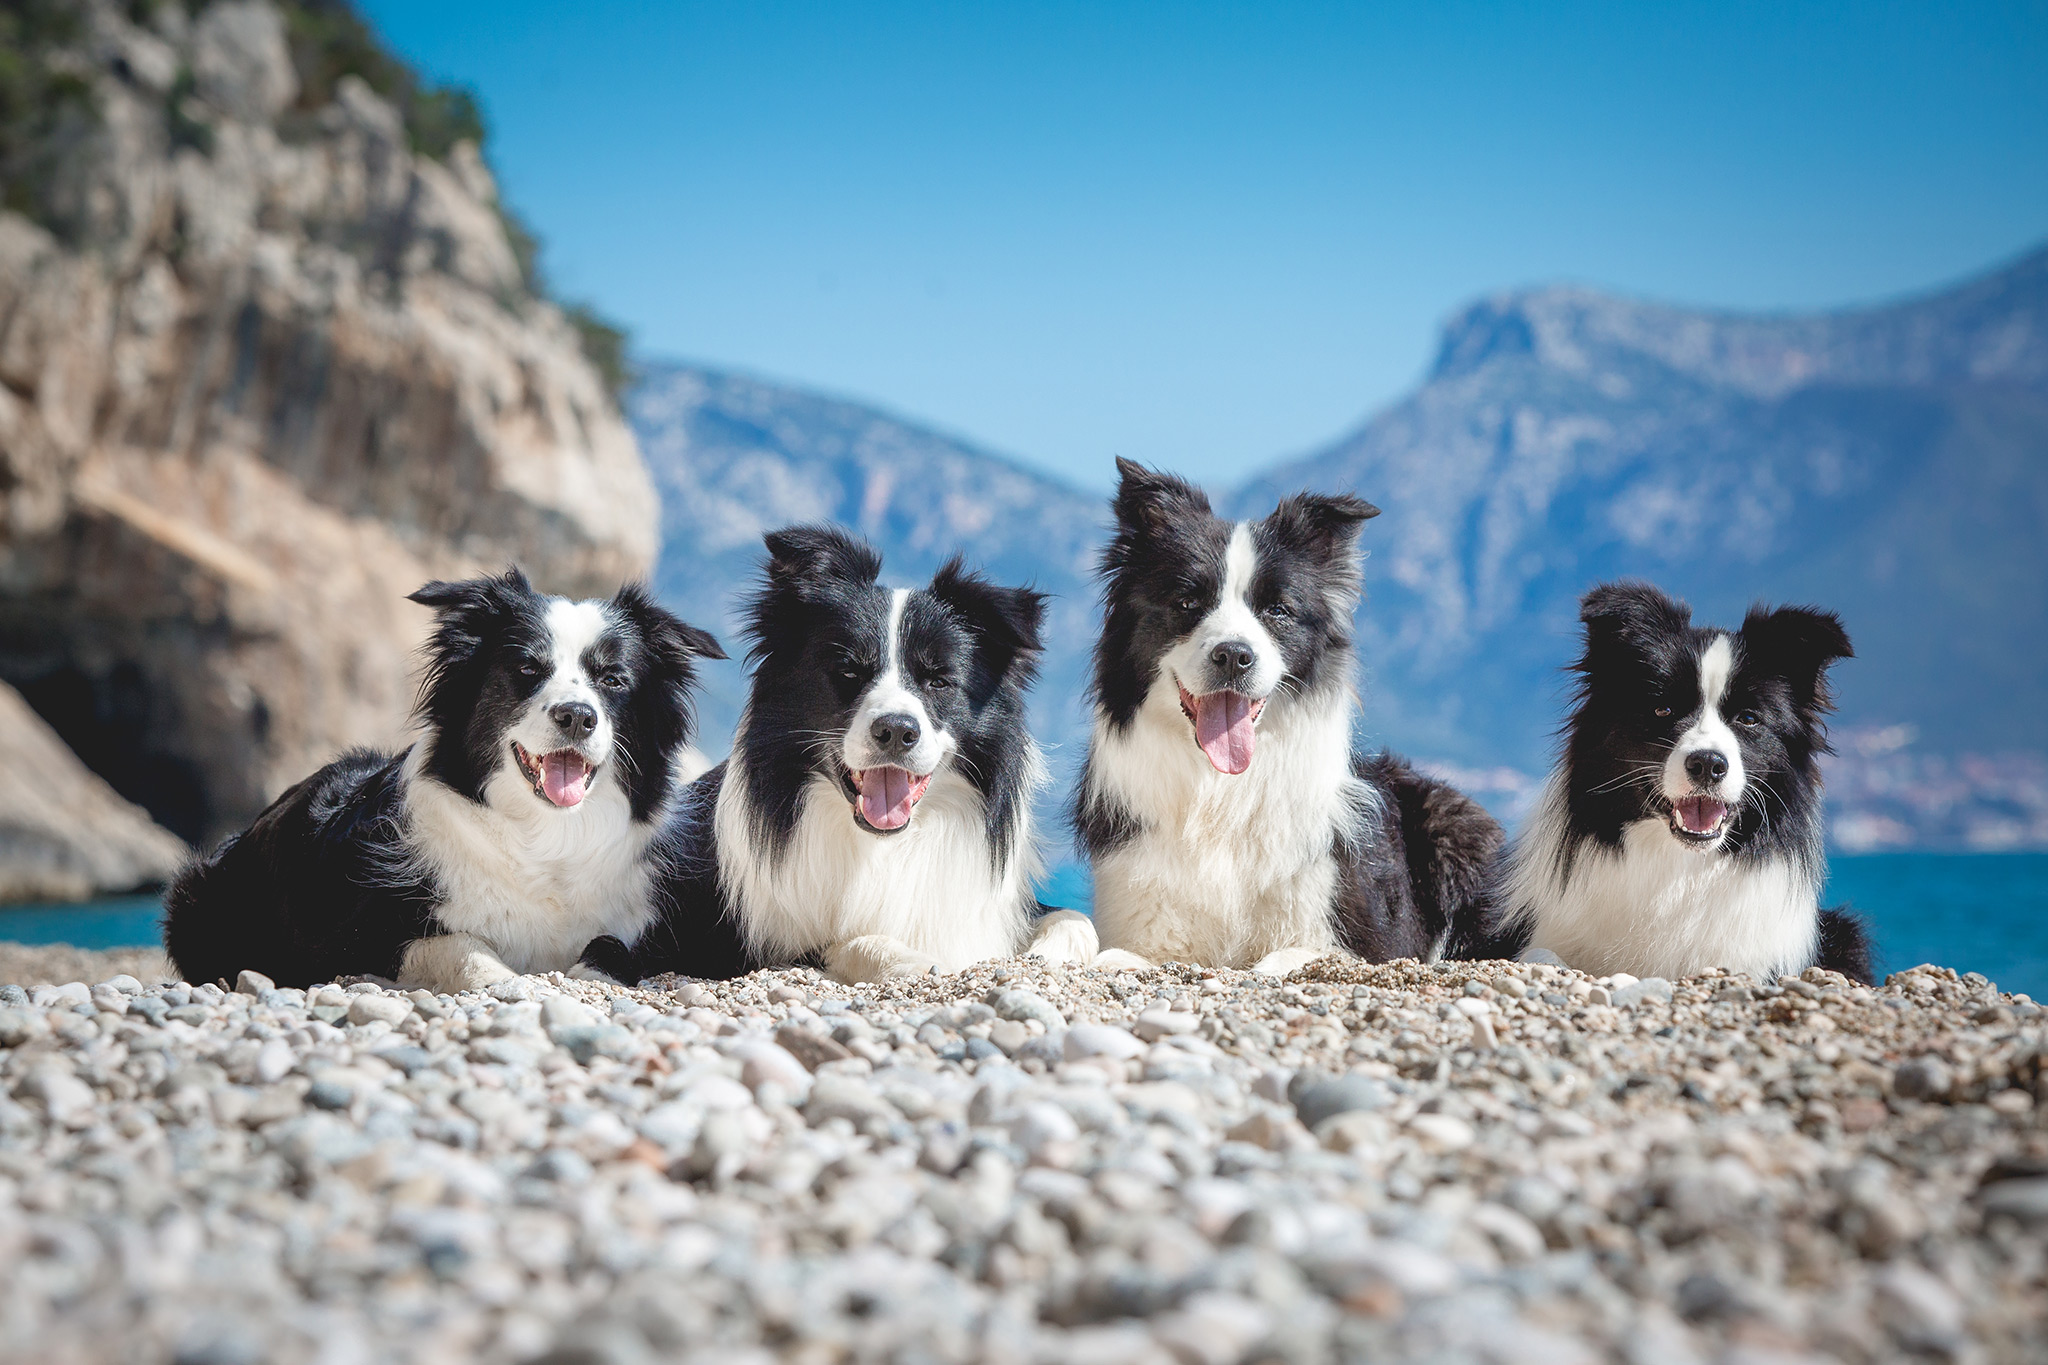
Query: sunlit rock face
{"type": "Point", "coordinates": [263, 370]}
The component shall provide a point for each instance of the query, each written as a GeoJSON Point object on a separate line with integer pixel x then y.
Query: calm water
{"type": "Point", "coordinates": [1975, 912]}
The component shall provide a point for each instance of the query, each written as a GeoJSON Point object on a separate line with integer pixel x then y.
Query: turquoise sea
{"type": "Point", "coordinates": [1975, 912]}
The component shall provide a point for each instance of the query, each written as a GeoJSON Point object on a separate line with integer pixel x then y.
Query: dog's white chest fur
{"type": "Point", "coordinates": [534, 883]}
{"type": "Point", "coordinates": [1226, 869]}
{"type": "Point", "coordinates": [935, 887]}
{"type": "Point", "coordinates": [1656, 907]}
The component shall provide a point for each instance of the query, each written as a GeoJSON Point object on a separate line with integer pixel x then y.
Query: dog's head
{"type": "Point", "coordinates": [1702, 729]}
{"type": "Point", "coordinates": [1232, 616]}
{"type": "Point", "coordinates": [882, 689]}
{"type": "Point", "coordinates": [530, 698]}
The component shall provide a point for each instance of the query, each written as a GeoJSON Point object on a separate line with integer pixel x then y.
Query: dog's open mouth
{"type": "Point", "coordinates": [1698, 818]}
{"type": "Point", "coordinates": [1224, 726]}
{"type": "Point", "coordinates": [561, 777]}
{"type": "Point", "coordinates": [885, 797]}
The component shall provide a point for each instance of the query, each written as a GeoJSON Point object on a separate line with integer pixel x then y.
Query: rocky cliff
{"type": "Point", "coordinates": [64, 833]}
{"type": "Point", "coordinates": [265, 365]}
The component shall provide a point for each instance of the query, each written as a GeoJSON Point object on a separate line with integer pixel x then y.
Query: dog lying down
{"type": "Point", "coordinates": [516, 827]}
{"type": "Point", "coordinates": [875, 815]}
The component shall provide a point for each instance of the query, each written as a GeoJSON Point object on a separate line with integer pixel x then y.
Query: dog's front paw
{"type": "Point", "coordinates": [449, 964]}
{"type": "Point", "coordinates": [1120, 960]}
{"type": "Point", "coordinates": [583, 971]}
{"type": "Point", "coordinates": [876, 957]}
{"type": "Point", "coordinates": [1064, 937]}
{"type": "Point", "coordinates": [1287, 960]}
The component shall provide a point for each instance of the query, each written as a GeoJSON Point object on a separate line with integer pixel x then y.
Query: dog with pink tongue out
{"type": "Point", "coordinates": [875, 816]}
{"type": "Point", "coordinates": [1227, 819]}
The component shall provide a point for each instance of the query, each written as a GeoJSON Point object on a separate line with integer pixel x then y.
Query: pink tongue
{"type": "Point", "coordinates": [1700, 813]}
{"type": "Point", "coordinates": [1223, 727]}
{"type": "Point", "coordinates": [563, 776]}
{"type": "Point", "coordinates": [885, 797]}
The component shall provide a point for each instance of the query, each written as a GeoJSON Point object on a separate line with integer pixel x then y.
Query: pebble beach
{"type": "Point", "coordinates": [1485, 1162]}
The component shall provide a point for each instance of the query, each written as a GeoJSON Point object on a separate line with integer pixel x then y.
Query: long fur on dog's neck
{"type": "Point", "coordinates": [1653, 907]}
{"type": "Point", "coordinates": [533, 883]}
{"type": "Point", "coordinates": [940, 886]}
{"type": "Point", "coordinates": [1223, 869]}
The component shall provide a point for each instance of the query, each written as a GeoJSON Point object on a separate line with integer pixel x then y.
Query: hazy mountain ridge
{"type": "Point", "coordinates": [1890, 462]}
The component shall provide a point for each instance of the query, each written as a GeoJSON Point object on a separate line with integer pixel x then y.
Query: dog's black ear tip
{"type": "Point", "coordinates": [438, 593]}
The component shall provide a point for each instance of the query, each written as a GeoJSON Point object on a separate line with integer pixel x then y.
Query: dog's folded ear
{"type": "Point", "coordinates": [1005, 620]}
{"type": "Point", "coordinates": [1148, 500]}
{"type": "Point", "coordinates": [664, 631]}
{"type": "Point", "coordinates": [1797, 643]}
{"type": "Point", "coordinates": [803, 559]}
{"type": "Point", "coordinates": [1323, 519]}
{"type": "Point", "coordinates": [471, 594]}
{"type": "Point", "coordinates": [1629, 616]}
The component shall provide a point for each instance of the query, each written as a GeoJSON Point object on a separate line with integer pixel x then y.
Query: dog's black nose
{"type": "Point", "coordinates": [1233, 657]}
{"type": "Point", "coordinates": [1706, 765]}
{"type": "Point", "coordinates": [895, 734]}
{"type": "Point", "coordinates": [577, 718]}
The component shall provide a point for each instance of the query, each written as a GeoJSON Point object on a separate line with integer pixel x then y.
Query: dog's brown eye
{"type": "Point", "coordinates": [1748, 718]}
{"type": "Point", "coordinates": [1188, 603]}
{"type": "Point", "coordinates": [1661, 712]}
{"type": "Point", "coordinates": [612, 680]}
{"type": "Point", "coordinates": [937, 683]}
{"type": "Point", "coordinates": [529, 669]}
{"type": "Point", "coordinates": [1279, 611]}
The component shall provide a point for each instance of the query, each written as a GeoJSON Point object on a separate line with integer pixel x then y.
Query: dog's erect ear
{"type": "Point", "coordinates": [1148, 500]}
{"type": "Point", "coordinates": [803, 558]}
{"type": "Point", "coordinates": [1798, 644]}
{"type": "Point", "coordinates": [666, 632]}
{"type": "Point", "coordinates": [1005, 621]}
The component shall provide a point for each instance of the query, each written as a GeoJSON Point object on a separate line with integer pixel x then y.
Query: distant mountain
{"type": "Point", "coordinates": [733, 457]}
{"type": "Point", "coordinates": [1891, 463]}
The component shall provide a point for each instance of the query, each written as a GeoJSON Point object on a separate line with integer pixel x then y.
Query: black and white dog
{"type": "Point", "coordinates": [515, 829]}
{"type": "Point", "coordinates": [1682, 829]}
{"type": "Point", "coordinates": [1227, 818]}
{"type": "Point", "coordinates": [875, 814]}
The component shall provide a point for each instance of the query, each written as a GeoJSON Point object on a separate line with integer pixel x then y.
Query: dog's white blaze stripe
{"type": "Point", "coordinates": [574, 627]}
{"type": "Point", "coordinates": [1709, 729]}
{"type": "Point", "coordinates": [891, 695]}
{"type": "Point", "coordinates": [1232, 618]}
{"type": "Point", "coordinates": [1240, 562]}
{"type": "Point", "coordinates": [893, 649]}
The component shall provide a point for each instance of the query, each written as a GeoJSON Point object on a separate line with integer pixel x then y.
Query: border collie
{"type": "Point", "coordinates": [875, 814]}
{"type": "Point", "coordinates": [1682, 828]}
{"type": "Point", "coordinates": [1227, 818]}
{"type": "Point", "coordinates": [514, 829]}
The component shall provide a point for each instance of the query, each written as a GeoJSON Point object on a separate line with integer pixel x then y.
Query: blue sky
{"type": "Point", "coordinates": [1213, 235]}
